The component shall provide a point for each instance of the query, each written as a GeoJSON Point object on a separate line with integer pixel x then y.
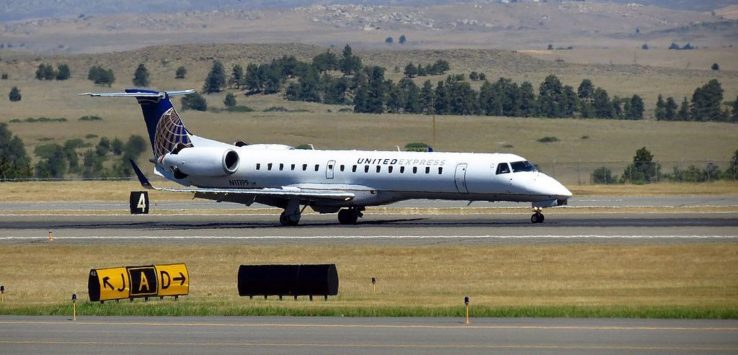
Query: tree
{"type": "Point", "coordinates": [635, 111]}
{"type": "Point", "coordinates": [70, 152]}
{"type": "Point", "coordinates": [707, 101]}
{"type": "Point", "coordinates": [236, 78]}
{"type": "Point", "coordinates": [527, 100]}
{"type": "Point", "coordinates": [103, 146]}
{"type": "Point", "coordinates": [643, 169]}
{"type": "Point", "coordinates": [325, 61]}
{"type": "Point", "coordinates": [550, 97]}
{"type": "Point", "coordinates": [389, 40]}
{"type": "Point", "coordinates": [216, 78]}
{"type": "Point", "coordinates": [410, 70]}
{"type": "Point", "coordinates": [411, 94]}
{"type": "Point", "coordinates": [63, 72]}
{"type": "Point", "coordinates": [349, 63]}
{"type": "Point", "coordinates": [473, 76]}
{"type": "Point", "coordinates": [731, 173]}
{"type": "Point", "coordinates": [195, 102]}
{"type": "Point", "coordinates": [403, 39]}
{"type": "Point", "coordinates": [116, 146]}
{"type": "Point", "coordinates": [101, 76]}
{"type": "Point", "coordinates": [601, 104]}
{"type": "Point", "coordinates": [181, 72]}
{"type": "Point", "coordinates": [585, 93]}
{"type": "Point", "coordinates": [395, 98]}
{"type": "Point", "coordinates": [734, 113]}
{"type": "Point", "coordinates": [14, 161]}
{"type": "Point", "coordinates": [670, 110]}
{"type": "Point", "coordinates": [53, 162]}
{"type": "Point", "coordinates": [45, 72]}
{"type": "Point", "coordinates": [230, 100]}
{"type": "Point", "coordinates": [683, 113]}
{"type": "Point", "coordinates": [376, 90]}
{"type": "Point", "coordinates": [15, 94]}
{"type": "Point", "coordinates": [135, 145]}
{"type": "Point", "coordinates": [427, 98]}
{"type": "Point", "coordinates": [141, 76]}
{"type": "Point", "coordinates": [715, 66]}
{"type": "Point", "coordinates": [660, 112]}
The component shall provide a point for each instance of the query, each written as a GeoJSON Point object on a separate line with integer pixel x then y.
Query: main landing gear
{"type": "Point", "coordinates": [537, 216]}
{"type": "Point", "coordinates": [291, 214]}
{"type": "Point", "coordinates": [350, 215]}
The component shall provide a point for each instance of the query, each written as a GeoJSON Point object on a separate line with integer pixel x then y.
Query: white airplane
{"type": "Point", "coordinates": [329, 181]}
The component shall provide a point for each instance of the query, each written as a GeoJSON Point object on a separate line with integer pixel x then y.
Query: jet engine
{"type": "Point", "coordinates": [210, 162]}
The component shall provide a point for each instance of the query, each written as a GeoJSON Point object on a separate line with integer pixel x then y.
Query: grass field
{"type": "Point", "coordinates": [634, 280]}
{"type": "Point", "coordinates": [583, 144]}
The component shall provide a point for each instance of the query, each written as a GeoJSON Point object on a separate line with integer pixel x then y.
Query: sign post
{"type": "Point", "coordinates": [374, 285]}
{"type": "Point", "coordinates": [74, 306]}
{"type": "Point", "coordinates": [466, 302]}
{"type": "Point", "coordinates": [2, 293]}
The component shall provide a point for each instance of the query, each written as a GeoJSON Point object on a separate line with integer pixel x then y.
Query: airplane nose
{"type": "Point", "coordinates": [556, 189]}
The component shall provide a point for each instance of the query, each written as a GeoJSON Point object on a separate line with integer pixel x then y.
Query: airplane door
{"type": "Point", "coordinates": [329, 169]}
{"type": "Point", "coordinates": [460, 178]}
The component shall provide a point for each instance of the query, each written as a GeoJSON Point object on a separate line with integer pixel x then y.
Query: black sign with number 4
{"type": "Point", "coordinates": [139, 202]}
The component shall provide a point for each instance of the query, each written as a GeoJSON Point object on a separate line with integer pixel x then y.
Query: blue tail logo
{"type": "Point", "coordinates": [166, 130]}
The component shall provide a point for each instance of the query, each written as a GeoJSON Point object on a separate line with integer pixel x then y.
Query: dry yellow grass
{"type": "Point", "coordinates": [633, 275]}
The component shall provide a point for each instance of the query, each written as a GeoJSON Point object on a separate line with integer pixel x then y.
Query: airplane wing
{"type": "Point", "coordinates": [287, 192]}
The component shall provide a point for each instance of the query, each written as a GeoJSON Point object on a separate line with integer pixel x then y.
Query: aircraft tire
{"type": "Point", "coordinates": [289, 220]}
{"type": "Point", "coordinates": [537, 218]}
{"type": "Point", "coordinates": [347, 216]}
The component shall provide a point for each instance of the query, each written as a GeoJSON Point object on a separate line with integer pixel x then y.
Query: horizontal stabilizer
{"type": "Point", "coordinates": [159, 94]}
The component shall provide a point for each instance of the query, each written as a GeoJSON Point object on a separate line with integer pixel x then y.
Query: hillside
{"type": "Point", "coordinates": [475, 24]}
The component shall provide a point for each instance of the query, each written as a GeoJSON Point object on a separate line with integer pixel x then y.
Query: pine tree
{"type": "Point", "coordinates": [181, 72]}
{"type": "Point", "coordinates": [527, 100]}
{"type": "Point", "coordinates": [410, 70]}
{"type": "Point", "coordinates": [14, 161]}
{"type": "Point", "coordinates": [15, 94]}
{"type": "Point", "coordinates": [141, 76]}
{"type": "Point", "coordinates": [734, 113]}
{"type": "Point", "coordinates": [660, 112]}
{"type": "Point", "coordinates": [216, 79]}
{"type": "Point", "coordinates": [325, 61]}
{"type": "Point", "coordinates": [601, 103]}
{"type": "Point", "coordinates": [683, 113]}
{"type": "Point", "coordinates": [63, 72]}
{"type": "Point", "coordinates": [402, 39]}
{"type": "Point", "coordinates": [236, 79]}
{"type": "Point", "coordinates": [670, 110]}
{"type": "Point", "coordinates": [550, 96]}
{"type": "Point", "coordinates": [349, 64]}
{"type": "Point", "coordinates": [636, 108]}
{"type": "Point", "coordinates": [427, 98]}
{"type": "Point", "coordinates": [230, 100]}
{"type": "Point", "coordinates": [707, 101]}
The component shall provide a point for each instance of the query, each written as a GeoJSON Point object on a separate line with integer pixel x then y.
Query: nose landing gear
{"type": "Point", "coordinates": [537, 216]}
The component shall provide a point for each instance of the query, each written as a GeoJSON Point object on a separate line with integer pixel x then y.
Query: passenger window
{"type": "Point", "coordinates": [366, 168]}
{"type": "Point", "coordinates": [292, 167]}
{"type": "Point", "coordinates": [258, 166]}
{"type": "Point", "coordinates": [269, 166]}
{"type": "Point", "coordinates": [402, 170]}
{"type": "Point", "coordinates": [353, 169]}
{"type": "Point", "coordinates": [330, 167]}
{"type": "Point", "coordinates": [317, 167]}
{"type": "Point", "coordinates": [503, 168]}
{"type": "Point", "coordinates": [389, 169]}
{"type": "Point", "coordinates": [415, 170]}
{"type": "Point", "coordinates": [304, 167]}
{"type": "Point", "coordinates": [379, 167]}
{"type": "Point", "coordinates": [342, 167]}
{"type": "Point", "coordinates": [440, 170]}
{"type": "Point", "coordinates": [427, 169]}
{"type": "Point", "coordinates": [281, 166]}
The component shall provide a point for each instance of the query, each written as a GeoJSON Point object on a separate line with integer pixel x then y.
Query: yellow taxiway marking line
{"type": "Point", "coordinates": [383, 326]}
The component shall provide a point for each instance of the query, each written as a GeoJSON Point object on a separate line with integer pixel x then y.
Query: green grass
{"type": "Point", "coordinates": [320, 308]}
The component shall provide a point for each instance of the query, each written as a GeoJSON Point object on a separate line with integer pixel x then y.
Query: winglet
{"type": "Point", "coordinates": [141, 177]}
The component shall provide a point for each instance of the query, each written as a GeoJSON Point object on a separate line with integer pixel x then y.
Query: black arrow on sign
{"type": "Point", "coordinates": [107, 283]}
{"type": "Point", "coordinates": [180, 278]}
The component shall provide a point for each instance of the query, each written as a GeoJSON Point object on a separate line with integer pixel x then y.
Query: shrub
{"type": "Point", "coordinates": [195, 102]}
{"type": "Point", "coordinates": [548, 139]}
{"type": "Point", "coordinates": [417, 147]}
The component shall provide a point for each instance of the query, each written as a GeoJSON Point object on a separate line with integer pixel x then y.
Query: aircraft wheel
{"type": "Point", "coordinates": [289, 219]}
{"type": "Point", "coordinates": [348, 216]}
{"type": "Point", "coordinates": [537, 218]}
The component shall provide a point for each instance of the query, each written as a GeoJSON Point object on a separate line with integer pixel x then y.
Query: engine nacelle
{"type": "Point", "coordinates": [195, 161]}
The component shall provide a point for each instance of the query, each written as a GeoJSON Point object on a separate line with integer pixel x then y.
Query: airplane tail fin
{"type": "Point", "coordinates": [166, 131]}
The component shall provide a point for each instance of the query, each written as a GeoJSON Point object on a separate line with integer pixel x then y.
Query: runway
{"type": "Point", "coordinates": [281, 335]}
{"type": "Point", "coordinates": [384, 228]}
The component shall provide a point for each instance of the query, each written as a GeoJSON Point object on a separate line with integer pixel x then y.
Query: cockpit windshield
{"type": "Point", "coordinates": [519, 166]}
